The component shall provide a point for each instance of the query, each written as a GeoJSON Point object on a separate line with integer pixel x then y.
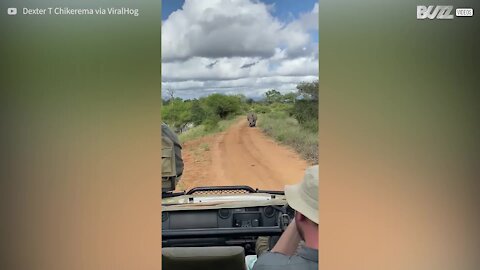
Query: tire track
{"type": "Point", "coordinates": [246, 156]}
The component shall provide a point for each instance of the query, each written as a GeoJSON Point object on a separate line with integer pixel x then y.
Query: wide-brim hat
{"type": "Point", "coordinates": [303, 197]}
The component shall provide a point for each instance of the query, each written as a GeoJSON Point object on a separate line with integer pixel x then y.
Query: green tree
{"type": "Point", "coordinates": [198, 113]}
{"type": "Point", "coordinates": [222, 105]}
{"type": "Point", "coordinates": [272, 96]}
{"type": "Point", "coordinates": [309, 90]}
{"type": "Point", "coordinates": [289, 97]}
{"type": "Point", "coordinates": [241, 97]}
{"type": "Point", "coordinates": [305, 110]}
{"type": "Point", "coordinates": [177, 113]}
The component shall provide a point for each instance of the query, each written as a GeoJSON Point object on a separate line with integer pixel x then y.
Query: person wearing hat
{"type": "Point", "coordinates": [286, 254]}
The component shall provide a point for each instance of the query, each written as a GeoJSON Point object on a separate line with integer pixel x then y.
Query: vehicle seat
{"type": "Point", "coordinates": [203, 258]}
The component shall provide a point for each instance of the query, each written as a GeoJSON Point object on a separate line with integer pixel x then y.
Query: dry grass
{"type": "Point", "coordinates": [201, 131]}
{"type": "Point", "coordinates": [286, 130]}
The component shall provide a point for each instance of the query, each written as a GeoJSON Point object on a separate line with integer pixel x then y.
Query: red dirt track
{"type": "Point", "coordinates": [240, 156]}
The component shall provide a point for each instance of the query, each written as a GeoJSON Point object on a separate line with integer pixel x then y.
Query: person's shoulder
{"type": "Point", "coordinates": [270, 260]}
{"type": "Point", "coordinates": [273, 260]}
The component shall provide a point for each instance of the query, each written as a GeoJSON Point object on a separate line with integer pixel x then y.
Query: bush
{"type": "Point", "coordinates": [222, 105]}
{"type": "Point", "coordinates": [262, 109]}
{"type": "Point", "coordinates": [277, 115]}
{"type": "Point", "coordinates": [211, 123]}
{"type": "Point", "coordinates": [206, 129]}
{"type": "Point", "coordinates": [177, 113]}
{"type": "Point", "coordinates": [198, 113]}
{"type": "Point", "coordinates": [287, 130]}
{"type": "Point", "coordinates": [306, 112]}
{"type": "Point", "coordinates": [311, 125]}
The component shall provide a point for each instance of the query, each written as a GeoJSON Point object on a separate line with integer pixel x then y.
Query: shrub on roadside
{"type": "Point", "coordinates": [287, 130]}
{"type": "Point", "coordinates": [211, 123]}
{"type": "Point", "coordinates": [306, 111]}
{"type": "Point", "coordinates": [262, 109]}
{"type": "Point", "coordinates": [204, 129]}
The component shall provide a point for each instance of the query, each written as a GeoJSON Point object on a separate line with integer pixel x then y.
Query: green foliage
{"type": "Point", "coordinates": [306, 110]}
{"type": "Point", "coordinates": [209, 111]}
{"type": "Point", "coordinates": [261, 109]}
{"type": "Point", "coordinates": [289, 97]}
{"type": "Point", "coordinates": [309, 90]}
{"type": "Point", "coordinates": [211, 123]}
{"type": "Point", "coordinates": [198, 113]}
{"type": "Point", "coordinates": [202, 130]}
{"type": "Point", "coordinates": [223, 106]}
{"type": "Point", "coordinates": [281, 107]}
{"type": "Point", "coordinates": [288, 131]}
{"type": "Point", "coordinates": [177, 113]}
{"type": "Point", "coordinates": [311, 125]}
{"type": "Point", "coordinates": [272, 96]}
{"type": "Point", "coordinates": [306, 113]}
{"type": "Point", "coordinates": [241, 97]}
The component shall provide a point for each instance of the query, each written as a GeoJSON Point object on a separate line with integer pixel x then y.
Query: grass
{"type": "Point", "coordinates": [201, 130]}
{"type": "Point", "coordinates": [205, 147]}
{"type": "Point", "coordinates": [199, 151]}
{"type": "Point", "coordinates": [286, 130]}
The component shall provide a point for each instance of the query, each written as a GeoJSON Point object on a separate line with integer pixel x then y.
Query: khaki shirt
{"type": "Point", "coordinates": [305, 259]}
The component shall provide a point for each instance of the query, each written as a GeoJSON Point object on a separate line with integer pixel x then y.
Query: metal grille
{"type": "Point", "coordinates": [221, 192]}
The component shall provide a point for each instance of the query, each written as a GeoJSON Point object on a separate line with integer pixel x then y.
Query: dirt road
{"type": "Point", "coordinates": [240, 156]}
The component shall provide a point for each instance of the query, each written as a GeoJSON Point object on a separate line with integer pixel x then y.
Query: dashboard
{"type": "Point", "coordinates": [224, 226]}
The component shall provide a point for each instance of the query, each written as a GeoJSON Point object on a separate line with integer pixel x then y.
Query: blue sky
{"type": "Point", "coordinates": [238, 46]}
{"type": "Point", "coordinates": [169, 6]}
{"type": "Point", "coordinates": [285, 9]}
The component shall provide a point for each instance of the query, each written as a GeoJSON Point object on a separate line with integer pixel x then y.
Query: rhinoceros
{"type": "Point", "coordinates": [252, 119]}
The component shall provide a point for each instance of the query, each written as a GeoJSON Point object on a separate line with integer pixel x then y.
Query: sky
{"type": "Point", "coordinates": [238, 46]}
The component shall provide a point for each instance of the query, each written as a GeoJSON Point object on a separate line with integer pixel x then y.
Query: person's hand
{"type": "Point", "coordinates": [262, 245]}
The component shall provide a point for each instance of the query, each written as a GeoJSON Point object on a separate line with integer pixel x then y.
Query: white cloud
{"type": "Point", "coordinates": [225, 45]}
{"type": "Point", "coordinates": [219, 28]}
{"type": "Point", "coordinates": [254, 87]}
{"type": "Point", "coordinates": [310, 20]}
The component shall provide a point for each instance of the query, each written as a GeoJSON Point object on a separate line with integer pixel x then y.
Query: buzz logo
{"type": "Point", "coordinates": [434, 12]}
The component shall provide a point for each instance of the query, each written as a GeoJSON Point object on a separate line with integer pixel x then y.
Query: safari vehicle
{"type": "Point", "coordinates": [216, 227]}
